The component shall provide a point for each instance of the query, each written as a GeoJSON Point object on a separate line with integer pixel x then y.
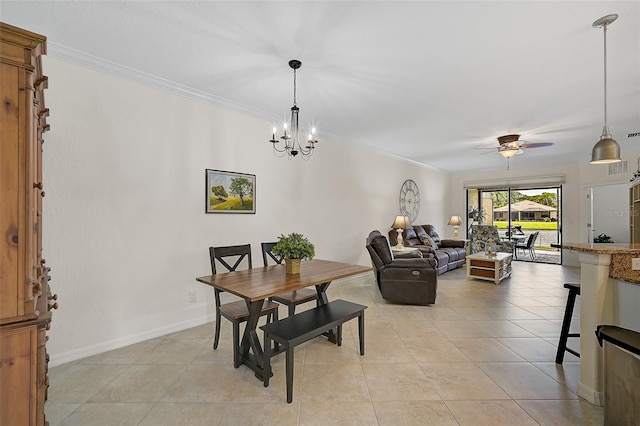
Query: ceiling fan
{"type": "Point", "coordinates": [510, 145]}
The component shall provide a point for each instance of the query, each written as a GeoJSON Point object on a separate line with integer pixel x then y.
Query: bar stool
{"type": "Point", "coordinates": [574, 290]}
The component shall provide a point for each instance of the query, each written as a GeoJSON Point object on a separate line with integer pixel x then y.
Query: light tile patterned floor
{"type": "Point", "coordinates": [482, 355]}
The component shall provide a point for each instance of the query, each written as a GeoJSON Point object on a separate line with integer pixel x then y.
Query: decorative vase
{"type": "Point", "coordinates": [292, 266]}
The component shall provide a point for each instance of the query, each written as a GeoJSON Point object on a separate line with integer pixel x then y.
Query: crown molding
{"type": "Point", "coordinates": [86, 60]}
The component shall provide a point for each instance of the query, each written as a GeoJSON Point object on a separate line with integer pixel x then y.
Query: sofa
{"type": "Point", "coordinates": [410, 280]}
{"type": "Point", "coordinates": [449, 254]}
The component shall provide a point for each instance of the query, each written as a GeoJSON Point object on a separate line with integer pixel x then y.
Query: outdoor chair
{"type": "Point", "coordinates": [237, 311]}
{"type": "Point", "coordinates": [293, 298]}
{"type": "Point", "coordinates": [528, 246]}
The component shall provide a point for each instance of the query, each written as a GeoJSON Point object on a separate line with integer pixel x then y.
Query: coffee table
{"type": "Point", "coordinates": [491, 268]}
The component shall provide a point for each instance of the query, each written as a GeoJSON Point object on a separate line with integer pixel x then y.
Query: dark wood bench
{"type": "Point", "coordinates": [299, 328]}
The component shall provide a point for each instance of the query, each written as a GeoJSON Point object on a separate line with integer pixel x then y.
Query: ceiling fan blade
{"type": "Point", "coordinates": [535, 144]}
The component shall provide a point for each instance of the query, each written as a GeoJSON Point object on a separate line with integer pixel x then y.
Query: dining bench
{"type": "Point", "coordinates": [299, 328]}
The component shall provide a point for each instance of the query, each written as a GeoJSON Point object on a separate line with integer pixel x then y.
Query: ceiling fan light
{"type": "Point", "coordinates": [605, 151]}
{"type": "Point", "coordinates": [508, 153]}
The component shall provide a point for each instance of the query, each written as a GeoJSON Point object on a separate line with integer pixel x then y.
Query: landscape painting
{"type": "Point", "coordinates": [230, 192]}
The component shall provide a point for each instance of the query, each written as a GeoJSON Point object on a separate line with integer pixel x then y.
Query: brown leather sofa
{"type": "Point", "coordinates": [449, 255]}
{"type": "Point", "coordinates": [411, 281]}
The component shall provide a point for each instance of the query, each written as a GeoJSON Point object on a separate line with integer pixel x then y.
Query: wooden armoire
{"type": "Point", "coordinates": [25, 297]}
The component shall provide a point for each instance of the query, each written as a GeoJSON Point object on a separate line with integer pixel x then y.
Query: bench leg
{"type": "Point", "coordinates": [339, 336]}
{"type": "Point", "coordinates": [267, 360]}
{"type": "Point", "coordinates": [289, 368]}
{"type": "Point", "coordinates": [361, 331]}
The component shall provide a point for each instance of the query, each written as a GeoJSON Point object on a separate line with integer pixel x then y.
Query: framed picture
{"type": "Point", "coordinates": [230, 192]}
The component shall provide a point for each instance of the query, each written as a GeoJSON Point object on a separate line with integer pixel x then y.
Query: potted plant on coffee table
{"type": "Point", "coordinates": [293, 248]}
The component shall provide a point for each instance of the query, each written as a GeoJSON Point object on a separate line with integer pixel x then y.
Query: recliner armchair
{"type": "Point", "coordinates": [412, 281]}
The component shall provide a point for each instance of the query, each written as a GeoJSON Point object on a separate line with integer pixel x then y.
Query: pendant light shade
{"type": "Point", "coordinates": [607, 149]}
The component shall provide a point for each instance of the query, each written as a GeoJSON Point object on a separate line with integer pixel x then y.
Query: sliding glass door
{"type": "Point", "coordinates": [522, 215]}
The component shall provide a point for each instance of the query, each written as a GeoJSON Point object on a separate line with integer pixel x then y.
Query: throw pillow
{"type": "Point", "coordinates": [428, 241]}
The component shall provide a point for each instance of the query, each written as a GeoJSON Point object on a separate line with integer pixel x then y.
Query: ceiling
{"type": "Point", "coordinates": [427, 81]}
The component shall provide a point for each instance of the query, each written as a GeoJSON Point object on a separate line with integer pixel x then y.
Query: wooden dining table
{"type": "Point", "coordinates": [257, 284]}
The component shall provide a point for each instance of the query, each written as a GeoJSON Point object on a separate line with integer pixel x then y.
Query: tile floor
{"type": "Point", "coordinates": [482, 355]}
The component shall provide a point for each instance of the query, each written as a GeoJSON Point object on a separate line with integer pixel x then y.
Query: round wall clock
{"type": "Point", "coordinates": [410, 200]}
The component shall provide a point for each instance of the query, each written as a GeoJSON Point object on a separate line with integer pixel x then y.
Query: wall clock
{"type": "Point", "coordinates": [410, 200]}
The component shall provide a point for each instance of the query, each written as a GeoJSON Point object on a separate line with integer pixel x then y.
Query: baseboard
{"type": "Point", "coordinates": [591, 395]}
{"type": "Point", "coordinates": [76, 354]}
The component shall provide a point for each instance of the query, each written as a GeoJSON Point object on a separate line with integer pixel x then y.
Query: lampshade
{"type": "Point", "coordinates": [605, 151]}
{"type": "Point", "coordinates": [401, 222]}
{"type": "Point", "coordinates": [455, 221]}
{"type": "Point", "coordinates": [508, 153]}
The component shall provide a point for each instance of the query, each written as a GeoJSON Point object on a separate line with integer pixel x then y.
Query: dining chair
{"type": "Point", "coordinates": [237, 311]}
{"type": "Point", "coordinates": [293, 298]}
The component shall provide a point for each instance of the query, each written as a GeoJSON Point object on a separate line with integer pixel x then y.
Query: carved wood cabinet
{"type": "Point", "coordinates": [25, 297]}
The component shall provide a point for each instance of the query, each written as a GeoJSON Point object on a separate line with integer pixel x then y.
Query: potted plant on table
{"type": "Point", "coordinates": [293, 248]}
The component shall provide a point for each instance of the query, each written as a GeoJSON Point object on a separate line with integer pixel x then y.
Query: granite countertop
{"type": "Point", "coordinates": [621, 258]}
{"type": "Point", "coordinates": [603, 248]}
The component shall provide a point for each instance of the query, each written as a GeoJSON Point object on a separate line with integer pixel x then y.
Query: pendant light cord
{"type": "Point", "coordinates": [605, 77]}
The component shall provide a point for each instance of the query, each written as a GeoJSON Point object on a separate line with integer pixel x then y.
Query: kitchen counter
{"type": "Point", "coordinates": [609, 291]}
{"type": "Point", "coordinates": [620, 262]}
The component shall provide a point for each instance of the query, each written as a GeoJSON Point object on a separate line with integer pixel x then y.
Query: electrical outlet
{"type": "Point", "coordinates": [193, 297]}
{"type": "Point", "coordinates": [635, 263]}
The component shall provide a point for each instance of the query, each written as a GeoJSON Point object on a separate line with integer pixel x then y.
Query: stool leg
{"type": "Point", "coordinates": [566, 323]}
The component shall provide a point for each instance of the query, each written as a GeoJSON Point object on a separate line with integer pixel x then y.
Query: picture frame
{"type": "Point", "coordinates": [229, 192]}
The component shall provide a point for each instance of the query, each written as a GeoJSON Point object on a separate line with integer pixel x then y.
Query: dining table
{"type": "Point", "coordinates": [255, 285]}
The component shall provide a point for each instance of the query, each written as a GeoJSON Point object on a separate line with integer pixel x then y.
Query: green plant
{"type": "Point", "coordinates": [294, 246]}
{"type": "Point", "coordinates": [476, 214]}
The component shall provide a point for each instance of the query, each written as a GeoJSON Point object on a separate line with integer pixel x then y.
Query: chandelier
{"type": "Point", "coordinates": [291, 131]}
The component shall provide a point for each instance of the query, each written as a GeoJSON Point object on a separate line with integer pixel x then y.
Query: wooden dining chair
{"type": "Point", "coordinates": [293, 298]}
{"type": "Point", "coordinates": [237, 311]}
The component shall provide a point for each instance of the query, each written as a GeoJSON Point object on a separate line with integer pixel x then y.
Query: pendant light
{"type": "Point", "coordinates": [607, 149]}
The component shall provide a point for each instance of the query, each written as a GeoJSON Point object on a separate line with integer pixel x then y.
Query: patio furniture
{"type": "Point", "coordinates": [528, 246]}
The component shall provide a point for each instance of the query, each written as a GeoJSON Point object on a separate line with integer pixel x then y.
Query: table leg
{"type": "Point", "coordinates": [323, 300]}
{"type": "Point", "coordinates": [254, 358]}
{"type": "Point", "coordinates": [321, 289]}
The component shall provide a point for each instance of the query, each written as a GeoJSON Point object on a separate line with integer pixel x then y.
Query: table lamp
{"type": "Point", "coordinates": [401, 222]}
{"type": "Point", "coordinates": [455, 221]}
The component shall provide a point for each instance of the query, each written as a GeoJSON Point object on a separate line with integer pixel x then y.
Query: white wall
{"type": "Point", "coordinates": [124, 225]}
